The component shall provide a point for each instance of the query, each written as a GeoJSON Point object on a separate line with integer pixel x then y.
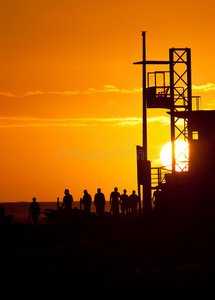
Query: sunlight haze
{"type": "Point", "coordinates": [71, 98]}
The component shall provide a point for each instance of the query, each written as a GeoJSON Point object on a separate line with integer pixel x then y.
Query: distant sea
{"type": "Point", "coordinates": [20, 210]}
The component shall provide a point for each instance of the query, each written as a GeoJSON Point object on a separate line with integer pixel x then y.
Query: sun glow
{"type": "Point", "coordinates": [181, 155]}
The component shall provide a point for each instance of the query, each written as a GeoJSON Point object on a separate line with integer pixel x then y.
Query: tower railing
{"type": "Point", "coordinates": [158, 176]}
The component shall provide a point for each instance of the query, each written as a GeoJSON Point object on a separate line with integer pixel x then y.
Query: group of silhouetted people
{"type": "Point", "coordinates": [128, 204]}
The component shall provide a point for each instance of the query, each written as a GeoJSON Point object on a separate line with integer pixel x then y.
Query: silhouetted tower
{"type": "Point", "coordinates": [188, 187]}
{"type": "Point", "coordinates": [181, 99]}
{"type": "Point", "coordinates": [170, 90]}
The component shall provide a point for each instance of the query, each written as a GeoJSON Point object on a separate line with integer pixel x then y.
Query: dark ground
{"type": "Point", "coordinates": [106, 258]}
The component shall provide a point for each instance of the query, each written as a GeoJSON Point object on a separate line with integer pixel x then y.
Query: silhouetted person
{"type": "Point", "coordinates": [87, 202]}
{"type": "Point", "coordinates": [156, 198]}
{"type": "Point", "coordinates": [124, 203]}
{"type": "Point", "coordinates": [34, 211]}
{"type": "Point", "coordinates": [133, 201]}
{"type": "Point", "coordinates": [67, 200]}
{"type": "Point", "coordinates": [114, 201]}
{"type": "Point", "coordinates": [99, 202]}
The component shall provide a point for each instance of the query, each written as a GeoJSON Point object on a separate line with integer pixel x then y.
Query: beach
{"type": "Point", "coordinates": [20, 210]}
{"type": "Point", "coordinates": [108, 258]}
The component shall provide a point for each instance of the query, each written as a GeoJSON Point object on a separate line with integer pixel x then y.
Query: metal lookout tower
{"type": "Point", "coordinates": [172, 90]}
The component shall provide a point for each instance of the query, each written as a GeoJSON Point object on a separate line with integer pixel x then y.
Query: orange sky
{"type": "Point", "coordinates": [70, 97]}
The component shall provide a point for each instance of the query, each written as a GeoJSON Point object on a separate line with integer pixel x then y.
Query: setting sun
{"type": "Point", "coordinates": [181, 155]}
{"type": "Point", "coordinates": [71, 97]}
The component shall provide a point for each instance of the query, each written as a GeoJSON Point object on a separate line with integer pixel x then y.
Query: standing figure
{"type": "Point", "coordinates": [87, 202]}
{"type": "Point", "coordinates": [156, 200]}
{"type": "Point", "coordinates": [133, 200]}
{"type": "Point", "coordinates": [114, 201]}
{"type": "Point", "coordinates": [67, 200]}
{"type": "Point", "coordinates": [124, 203]}
{"type": "Point", "coordinates": [34, 211]}
{"type": "Point", "coordinates": [99, 202]}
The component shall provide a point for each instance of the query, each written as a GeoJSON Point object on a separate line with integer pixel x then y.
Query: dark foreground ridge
{"type": "Point", "coordinates": [107, 257]}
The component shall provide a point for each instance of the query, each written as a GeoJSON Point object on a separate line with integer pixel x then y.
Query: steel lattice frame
{"type": "Point", "coordinates": [181, 96]}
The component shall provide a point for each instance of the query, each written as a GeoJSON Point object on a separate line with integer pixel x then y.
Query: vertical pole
{"type": "Point", "coordinates": [57, 203]}
{"type": "Point", "coordinates": [197, 103]}
{"type": "Point", "coordinates": [144, 116]}
{"type": "Point", "coordinates": [159, 176]}
{"type": "Point", "coordinates": [172, 122]}
{"type": "Point", "coordinates": [146, 163]}
{"type": "Point", "coordinates": [189, 90]}
{"type": "Point", "coordinates": [144, 98]}
{"type": "Point", "coordinates": [139, 194]}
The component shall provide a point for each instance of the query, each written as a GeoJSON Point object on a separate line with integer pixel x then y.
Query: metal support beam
{"type": "Point", "coordinates": [181, 97]}
{"type": "Point", "coordinates": [189, 90]}
{"type": "Point", "coordinates": [152, 62]}
{"type": "Point", "coordinates": [144, 98]}
{"type": "Point", "coordinates": [172, 122]}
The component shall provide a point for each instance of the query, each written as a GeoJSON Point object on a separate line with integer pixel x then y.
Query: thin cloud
{"type": "Point", "coordinates": [161, 119]}
{"type": "Point", "coordinates": [205, 87]}
{"type": "Point", "coordinates": [7, 94]}
{"type": "Point", "coordinates": [76, 122]}
{"type": "Point", "coordinates": [106, 89]}
{"type": "Point", "coordinates": [71, 122]}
